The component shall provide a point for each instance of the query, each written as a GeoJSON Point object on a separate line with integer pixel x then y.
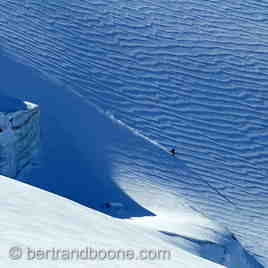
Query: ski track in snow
{"type": "Point", "coordinates": [185, 74]}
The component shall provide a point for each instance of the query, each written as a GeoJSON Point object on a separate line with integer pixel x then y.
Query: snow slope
{"type": "Point", "coordinates": [190, 75]}
{"type": "Point", "coordinates": [83, 163]}
{"type": "Point", "coordinates": [34, 219]}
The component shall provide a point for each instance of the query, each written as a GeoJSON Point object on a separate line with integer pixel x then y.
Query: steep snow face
{"type": "Point", "coordinates": [19, 135]}
{"type": "Point", "coordinates": [97, 161]}
{"type": "Point", "coordinates": [37, 220]}
{"type": "Point", "coordinates": [187, 75]}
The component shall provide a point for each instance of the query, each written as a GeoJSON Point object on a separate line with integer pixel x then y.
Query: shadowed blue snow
{"type": "Point", "coordinates": [10, 105]}
{"type": "Point", "coordinates": [192, 75]}
{"type": "Point", "coordinates": [75, 144]}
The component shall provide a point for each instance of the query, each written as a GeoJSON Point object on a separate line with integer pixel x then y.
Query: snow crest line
{"type": "Point", "coordinates": [109, 115]}
{"type": "Point", "coordinates": [118, 121]}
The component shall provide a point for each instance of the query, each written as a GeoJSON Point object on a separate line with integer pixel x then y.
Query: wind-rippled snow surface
{"type": "Point", "coordinates": [189, 74]}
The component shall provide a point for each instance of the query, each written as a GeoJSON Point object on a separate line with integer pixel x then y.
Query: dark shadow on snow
{"type": "Point", "coordinates": [74, 137]}
{"type": "Point", "coordinates": [185, 238]}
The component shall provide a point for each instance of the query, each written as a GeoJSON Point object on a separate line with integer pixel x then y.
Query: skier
{"type": "Point", "coordinates": [173, 151]}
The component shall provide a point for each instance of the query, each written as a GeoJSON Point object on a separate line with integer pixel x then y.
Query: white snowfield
{"type": "Point", "coordinates": [19, 135]}
{"type": "Point", "coordinates": [40, 229]}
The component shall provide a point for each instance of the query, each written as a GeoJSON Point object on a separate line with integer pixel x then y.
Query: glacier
{"type": "Point", "coordinates": [81, 162]}
{"type": "Point", "coordinates": [185, 75]}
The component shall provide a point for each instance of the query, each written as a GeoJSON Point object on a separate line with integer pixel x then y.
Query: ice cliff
{"type": "Point", "coordinates": [19, 135]}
